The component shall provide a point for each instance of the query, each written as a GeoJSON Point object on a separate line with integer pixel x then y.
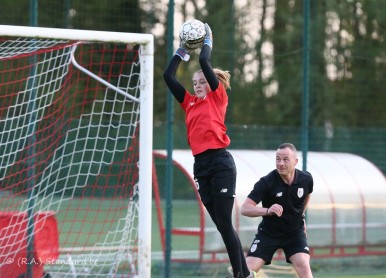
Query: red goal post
{"type": "Point", "coordinates": [76, 113]}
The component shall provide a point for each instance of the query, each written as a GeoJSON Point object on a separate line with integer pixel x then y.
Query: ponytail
{"type": "Point", "coordinates": [223, 76]}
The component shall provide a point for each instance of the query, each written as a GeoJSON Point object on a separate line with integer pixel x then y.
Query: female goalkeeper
{"type": "Point", "coordinates": [214, 168]}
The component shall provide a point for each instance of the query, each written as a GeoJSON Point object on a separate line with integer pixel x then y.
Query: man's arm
{"type": "Point", "coordinates": [306, 201]}
{"type": "Point", "coordinates": [250, 209]}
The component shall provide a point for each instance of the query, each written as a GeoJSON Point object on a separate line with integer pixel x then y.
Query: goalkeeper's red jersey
{"type": "Point", "coordinates": [205, 120]}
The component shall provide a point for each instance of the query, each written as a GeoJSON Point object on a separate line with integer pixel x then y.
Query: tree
{"type": "Point", "coordinates": [350, 87]}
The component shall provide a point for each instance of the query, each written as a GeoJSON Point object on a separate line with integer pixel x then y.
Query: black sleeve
{"type": "Point", "coordinates": [206, 67]}
{"type": "Point", "coordinates": [170, 79]}
{"type": "Point", "coordinates": [262, 188]}
{"type": "Point", "coordinates": [258, 191]}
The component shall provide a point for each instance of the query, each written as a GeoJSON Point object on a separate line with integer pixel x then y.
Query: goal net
{"type": "Point", "coordinates": [75, 152]}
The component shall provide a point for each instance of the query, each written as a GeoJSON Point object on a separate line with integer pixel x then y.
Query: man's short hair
{"type": "Point", "coordinates": [288, 145]}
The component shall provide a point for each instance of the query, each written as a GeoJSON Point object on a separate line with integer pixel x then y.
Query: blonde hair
{"type": "Point", "coordinates": [222, 75]}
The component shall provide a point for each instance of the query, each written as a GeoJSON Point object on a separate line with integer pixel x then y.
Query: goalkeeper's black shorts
{"type": "Point", "coordinates": [215, 174]}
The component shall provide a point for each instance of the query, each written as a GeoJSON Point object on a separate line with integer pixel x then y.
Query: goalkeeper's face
{"type": "Point", "coordinates": [200, 85]}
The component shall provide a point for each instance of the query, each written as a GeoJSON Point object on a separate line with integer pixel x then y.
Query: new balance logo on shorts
{"type": "Point", "coordinates": [224, 190]}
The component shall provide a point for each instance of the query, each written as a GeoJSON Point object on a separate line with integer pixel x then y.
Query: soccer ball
{"type": "Point", "coordinates": [192, 34]}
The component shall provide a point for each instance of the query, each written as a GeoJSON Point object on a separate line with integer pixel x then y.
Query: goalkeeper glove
{"type": "Point", "coordinates": [183, 52]}
{"type": "Point", "coordinates": [208, 37]}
